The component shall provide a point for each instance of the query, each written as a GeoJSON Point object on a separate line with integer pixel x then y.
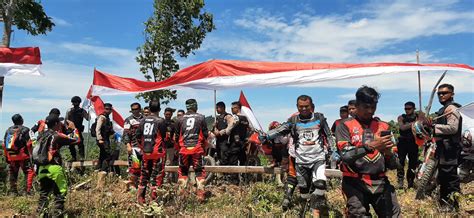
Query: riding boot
{"type": "Point", "coordinates": [289, 189]}
{"type": "Point", "coordinates": [141, 194]}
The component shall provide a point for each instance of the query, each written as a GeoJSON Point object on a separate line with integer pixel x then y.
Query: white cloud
{"type": "Point", "coordinates": [354, 37]}
{"type": "Point", "coordinates": [37, 105]}
{"type": "Point", "coordinates": [100, 51]}
{"type": "Point", "coordinates": [347, 96]}
{"type": "Point", "coordinates": [60, 22]}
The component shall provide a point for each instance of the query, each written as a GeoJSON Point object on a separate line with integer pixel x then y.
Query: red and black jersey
{"type": "Point", "coordinates": [152, 132]}
{"type": "Point", "coordinates": [41, 127]}
{"type": "Point", "coordinates": [335, 124]}
{"type": "Point", "coordinates": [130, 128]}
{"type": "Point", "coordinates": [352, 134]}
{"type": "Point", "coordinates": [192, 133]}
{"type": "Point", "coordinates": [57, 141]}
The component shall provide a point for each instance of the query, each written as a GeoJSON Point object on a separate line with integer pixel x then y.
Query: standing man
{"type": "Point", "coordinates": [146, 111]}
{"type": "Point", "coordinates": [169, 140]}
{"type": "Point", "coordinates": [152, 132]}
{"type": "Point", "coordinates": [191, 137]}
{"type": "Point", "coordinates": [343, 114]}
{"type": "Point", "coordinates": [50, 171]}
{"type": "Point", "coordinates": [238, 137]}
{"type": "Point", "coordinates": [17, 149]}
{"type": "Point", "coordinates": [104, 130]}
{"type": "Point", "coordinates": [222, 129]}
{"type": "Point", "coordinates": [407, 146]}
{"type": "Point", "coordinates": [351, 107]}
{"type": "Point", "coordinates": [447, 132]}
{"type": "Point", "coordinates": [180, 113]}
{"type": "Point", "coordinates": [130, 129]}
{"type": "Point", "coordinates": [366, 155]}
{"type": "Point", "coordinates": [307, 131]}
{"type": "Point", "coordinates": [77, 115]}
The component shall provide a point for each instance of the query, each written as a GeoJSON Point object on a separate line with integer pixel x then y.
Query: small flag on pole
{"type": "Point", "coordinates": [247, 111]}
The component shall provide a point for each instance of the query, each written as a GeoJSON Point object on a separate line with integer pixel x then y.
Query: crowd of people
{"type": "Point", "coordinates": [361, 144]}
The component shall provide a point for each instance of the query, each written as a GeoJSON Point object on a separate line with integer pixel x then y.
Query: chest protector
{"type": "Point", "coordinates": [456, 138]}
{"type": "Point", "coordinates": [221, 121]}
{"type": "Point", "coordinates": [406, 119]}
{"type": "Point", "coordinates": [239, 132]}
{"type": "Point", "coordinates": [76, 115]}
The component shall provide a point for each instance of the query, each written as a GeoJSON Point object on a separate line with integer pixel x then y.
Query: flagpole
{"type": "Point", "coordinates": [215, 102]}
{"type": "Point", "coordinates": [419, 80]}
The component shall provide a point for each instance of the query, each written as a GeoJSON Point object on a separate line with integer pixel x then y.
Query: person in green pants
{"type": "Point", "coordinates": [51, 173]}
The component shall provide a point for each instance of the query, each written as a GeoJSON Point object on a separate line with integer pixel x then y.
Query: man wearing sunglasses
{"type": "Point", "coordinates": [130, 139]}
{"type": "Point", "coordinates": [407, 146]}
{"type": "Point", "coordinates": [104, 130]}
{"type": "Point", "coordinates": [447, 132]}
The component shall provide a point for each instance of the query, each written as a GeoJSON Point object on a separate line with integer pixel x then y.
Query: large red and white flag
{"type": "Point", "coordinates": [247, 111]}
{"type": "Point", "coordinates": [20, 61]}
{"type": "Point", "coordinates": [95, 106]}
{"type": "Point", "coordinates": [226, 74]}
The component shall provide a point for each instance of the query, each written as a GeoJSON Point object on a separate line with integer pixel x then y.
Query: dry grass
{"type": "Point", "coordinates": [259, 199]}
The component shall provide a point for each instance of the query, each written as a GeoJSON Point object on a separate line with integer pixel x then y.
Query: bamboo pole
{"type": "Point", "coordinates": [215, 169]}
{"type": "Point", "coordinates": [419, 80]}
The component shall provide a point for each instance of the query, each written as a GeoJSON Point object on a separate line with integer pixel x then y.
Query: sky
{"type": "Point", "coordinates": [105, 35]}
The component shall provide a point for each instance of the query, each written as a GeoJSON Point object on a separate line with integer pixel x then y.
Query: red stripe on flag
{"type": "Point", "coordinates": [99, 109]}
{"type": "Point", "coordinates": [27, 55]}
{"type": "Point", "coordinates": [229, 68]}
{"type": "Point", "coordinates": [243, 100]}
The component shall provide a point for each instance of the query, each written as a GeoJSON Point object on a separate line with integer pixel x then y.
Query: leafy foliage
{"type": "Point", "coordinates": [26, 15]}
{"type": "Point", "coordinates": [176, 29]}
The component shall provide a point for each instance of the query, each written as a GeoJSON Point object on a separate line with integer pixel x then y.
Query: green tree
{"type": "Point", "coordinates": [25, 15]}
{"type": "Point", "coordinates": [175, 29]}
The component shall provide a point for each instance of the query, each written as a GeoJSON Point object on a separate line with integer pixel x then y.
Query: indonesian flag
{"type": "Point", "coordinates": [467, 113]}
{"type": "Point", "coordinates": [226, 74]}
{"type": "Point", "coordinates": [95, 106]}
{"type": "Point", "coordinates": [20, 61]}
{"type": "Point", "coordinates": [247, 111]}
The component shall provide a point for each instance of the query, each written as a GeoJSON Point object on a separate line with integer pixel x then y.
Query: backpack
{"type": "Point", "coordinates": [41, 151]}
{"type": "Point", "coordinates": [92, 129]}
{"type": "Point", "coordinates": [12, 140]}
{"type": "Point", "coordinates": [107, 127]}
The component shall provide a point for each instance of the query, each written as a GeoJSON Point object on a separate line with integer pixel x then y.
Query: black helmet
{"type": "Point", "coordinates": [55, 111]}
{"type": "Point", "coordinates": [76, 99]}
{"type": "Point", "coordinates": [17, 119]}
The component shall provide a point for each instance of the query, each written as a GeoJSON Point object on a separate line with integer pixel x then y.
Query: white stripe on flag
{"type": "Point", "coordinates": [9, 69]}
{"type": "Point", "coordinates": [252, 119]}
{"type": "Point", "coordinates": [467, 113]}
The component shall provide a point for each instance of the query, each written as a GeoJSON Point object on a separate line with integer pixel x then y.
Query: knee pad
{"type": "Point", "coordinates": [319, 187]}
{"type": "Point", "coordinates": [320, 184]}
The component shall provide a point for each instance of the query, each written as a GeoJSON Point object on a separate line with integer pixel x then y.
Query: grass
{"type": "Point", "coordinates": [258, 199]}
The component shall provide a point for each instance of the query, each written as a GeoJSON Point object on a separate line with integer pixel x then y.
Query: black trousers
{"type": "Point", "coordinates": [231, 154]}
{"type": "Point", "coordinates": [407, 148]}
{"type": "Point", "coordinates": [47, 186]}
{"type": "Point", "coordinates": [106, 156]}
{"type": "Point", "coordinates": [80, 146]}
{"type": "Point", "coordinates": [449, 181]}
{"type": "Point", "coordinates": [277, 153]}
{"type": "Point", "coordinates": [359, 199]}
